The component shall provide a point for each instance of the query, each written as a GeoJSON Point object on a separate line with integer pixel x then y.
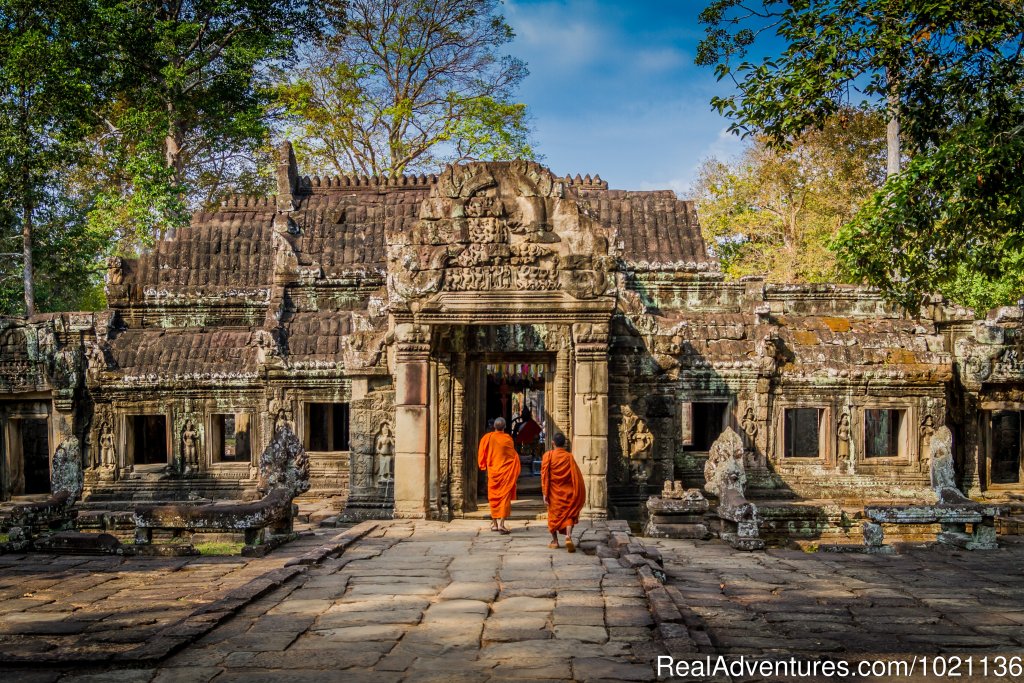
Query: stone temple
{"type": "Point", "coordinates": [386, 320]}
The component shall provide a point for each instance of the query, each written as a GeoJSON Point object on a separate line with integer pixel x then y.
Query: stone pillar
{"type": "Point", "coordinates": [590, 414]}
{"type": "Point", "coordinates": [412, 421]}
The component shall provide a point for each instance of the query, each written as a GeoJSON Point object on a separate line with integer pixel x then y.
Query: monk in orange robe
{"type": "Point", "coordinates": [498, 457]}
{"type": "Point", "coordinates": [561, 483]}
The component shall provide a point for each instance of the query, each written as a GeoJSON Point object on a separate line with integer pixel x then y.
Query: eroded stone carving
{"type": "Point", "coordinates": [943, 477]}
{"type": "Point", "coordinates": [284, 464]}
{"type": "Point", "coordinates": [637, 444]}
{"type": "Point", "coordinates": [677, 513]}
{"type": "Point", "coordinates": [726, 478]}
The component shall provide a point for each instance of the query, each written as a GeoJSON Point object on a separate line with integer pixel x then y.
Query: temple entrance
{"type": "Point", "coordinates": [516, 389]}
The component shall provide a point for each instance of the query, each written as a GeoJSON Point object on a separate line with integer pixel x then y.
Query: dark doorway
{"type": "Point", "coordinates": [1006, 446]}
{"type": "Point", "coordinates": [35, 448]}
{"type": "Point", "coordinates": [150, 439]}
{"type": "Point", "coordinates": [516, 392]}
{"type": "Point", "coordinates": [707, 421]}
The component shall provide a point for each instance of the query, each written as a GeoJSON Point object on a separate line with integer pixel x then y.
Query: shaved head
{"type": "Point", "coordinates": [499, 424]}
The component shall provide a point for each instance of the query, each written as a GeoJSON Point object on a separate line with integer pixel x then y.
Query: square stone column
{"type": "Point", "coordinates": [590, 414]}
{"type": "Point", "coordinates": [412, 421]}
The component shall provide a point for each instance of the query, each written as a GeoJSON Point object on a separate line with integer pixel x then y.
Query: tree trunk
{"type": "Point", "coordinates": [172, 156]}
{"type": "Point", "coordinates": [172, 144]}
{"type": "Point", "coordinates": [892, 130]}
{"type": "Point", "coordinates": [27, 270]}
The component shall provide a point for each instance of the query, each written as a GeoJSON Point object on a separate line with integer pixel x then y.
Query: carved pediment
{"type": "Point", "coordinates": [499, 226]}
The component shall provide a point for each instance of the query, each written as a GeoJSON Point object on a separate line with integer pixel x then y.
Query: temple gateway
{"type": "Point", "coordinates": [386, 320]}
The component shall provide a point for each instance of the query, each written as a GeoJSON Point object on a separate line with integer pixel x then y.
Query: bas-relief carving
{"type": "Point", "coordinates": [498, 227]}
{"type": "Point", "coordinates": [372, 446]}
{"type": "Point", "coordinates": [189, 447]}
{"type": "Point", "coordinates": [926, 431]}
{"type": "Point", "coordinates": [280, 411]}
{"type": "Point", "coordinates": [844, 459]}
{"type": "Point", "coordinates": [384, 455]}
{"type": "Point", "coordinates": [107, 445]}
{"type": "Point", "coordinates": [637, 444]}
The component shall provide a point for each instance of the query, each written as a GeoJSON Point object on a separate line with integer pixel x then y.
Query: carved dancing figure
{"type": "Point", "coordinates": [108, 451]}
{"type": "Point", "coordinates": [384, 449]}
{"type": "Point", "coordinates": [641, 445]}
{"type": "Point", "coordinates": [190, 444]}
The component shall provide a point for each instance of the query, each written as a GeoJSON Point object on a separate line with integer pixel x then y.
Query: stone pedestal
{"type": "Point", "coordinates": [677, 516]}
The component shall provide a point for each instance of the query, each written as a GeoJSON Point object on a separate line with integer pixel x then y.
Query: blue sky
{"type": "Point", "coordinates": [613, 89]}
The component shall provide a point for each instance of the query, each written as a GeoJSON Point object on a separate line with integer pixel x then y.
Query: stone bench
{"type": "Point", "coordinates": [952, 518]}
{"type": "Point", "coordinates": [271, 515]}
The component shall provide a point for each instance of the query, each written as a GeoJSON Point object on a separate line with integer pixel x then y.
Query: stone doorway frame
{"type": "Point", "coordinates": [416, 399]}
{"type": "Point", "coordinates": [556, 383]}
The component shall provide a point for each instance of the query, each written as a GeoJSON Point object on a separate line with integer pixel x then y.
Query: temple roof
{"type": "Point", "coordinates": [340, 224]}
{"type": "Point", "coordinates": [150, 355]}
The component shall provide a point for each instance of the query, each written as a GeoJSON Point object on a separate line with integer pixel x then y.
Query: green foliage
{"type": "Point", "coordinates": [186, 118]}
{"type": "Point", "coordinates": [952, 221]}
{"type": "Point", "coordinates": [952, 75]}
{"type": "Point", "coordinates": [46, 96]}
{"type": "Point", "coordinates": [403, 85]}
{"type": "Point", "coordinates": [773, 212]}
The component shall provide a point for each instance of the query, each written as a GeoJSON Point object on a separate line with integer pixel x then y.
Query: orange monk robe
{"type": "Point", "coordinates": [498, 457]}
{"type": "Point", "coordinates": [561, 483]}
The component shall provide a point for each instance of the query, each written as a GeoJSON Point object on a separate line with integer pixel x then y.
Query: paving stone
{"type": "Point", "coordinates": [580, 616]}
{"type": "Point", "coordinates": [584, 634]}
{"type": "Point", "coordinates": [187, 675]}
{"type": "Point", "coordinates": [603, 668]}
{"type": "Point", "coordinates": [354, 634]}
{"type": "Point", "coordinates": [523, 604]}
{"type": "Point", "coordinates": [549, 669]}
{"type": "Point", "coordinates": [470, 590]}
{"type": "Point", "coordinates": [332, 620]}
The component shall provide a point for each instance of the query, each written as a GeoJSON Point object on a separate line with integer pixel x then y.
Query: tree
{"type": "Point", "coordinates": [46, 87]}
{"type": "Point", "coordinates": [773, 212]}
{"type": "Point", "coordinates": [951, 74]}
{"type": "Point", "coordinates": [405, 85]}
{"type": "Point", "coordinates": [187, 117]}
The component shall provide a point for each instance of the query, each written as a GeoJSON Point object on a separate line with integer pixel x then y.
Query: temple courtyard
{"type": "Point", "coordinates": [425, 601]}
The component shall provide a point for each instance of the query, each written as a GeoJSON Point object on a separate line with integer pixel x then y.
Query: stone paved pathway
{"type": "Point", "coordinates": [924, 601]}
{"type": "Point", "coordinates": [428, 601]}
{"type": "Point", "coordinates": [62, 607]}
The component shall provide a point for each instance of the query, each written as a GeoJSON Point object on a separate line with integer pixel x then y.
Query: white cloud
{"type": "Point", "coordinates": [725, 147]}
{"type": "Point", "coordinates": [660, 59]}
{"type": "Point", "coordinates": [554, 35]}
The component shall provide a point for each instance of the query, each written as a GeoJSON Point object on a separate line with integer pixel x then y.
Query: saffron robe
{"type": "Point", "coordinates": [561, 483]}
{"type": "Point", "coordinates": [498, 457]}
